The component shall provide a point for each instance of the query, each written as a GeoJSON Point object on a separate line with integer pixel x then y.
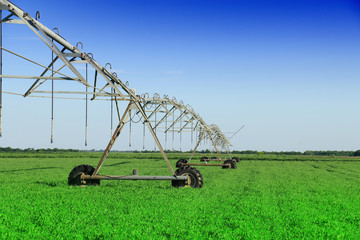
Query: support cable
{"type": "Point", "coordinates": [173, 131]}
{"type": "Point", "coordinates": [38, 64]}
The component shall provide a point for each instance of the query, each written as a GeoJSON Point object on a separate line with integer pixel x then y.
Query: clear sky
{"type": "Point", "coordinates": [286, 69]}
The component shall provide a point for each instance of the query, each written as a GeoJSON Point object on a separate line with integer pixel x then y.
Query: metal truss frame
{"type": "Point", "coordinates": [112, 88]}
{"type": "Point", "coordinates": [185, 118]}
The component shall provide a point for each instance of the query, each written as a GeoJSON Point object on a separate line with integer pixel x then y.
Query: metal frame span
{"type": "Point", "coordinates": [66, 64]}
{"type": "Point", "coordinates": [185, 118]}
{"type": "Point", "coordinates": [133, 177]}
{"type": "Point", "coordinates": [70, 55]}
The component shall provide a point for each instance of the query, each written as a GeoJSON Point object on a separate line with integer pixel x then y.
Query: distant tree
{"type": "Point", "coordinates": [357, 153]}
{"type": "Point", "coordinates": [206, 151]}
{"type": "Point", "coordinates": [260, 153]}
{"type": "Point", "coordinates": [308, 153]}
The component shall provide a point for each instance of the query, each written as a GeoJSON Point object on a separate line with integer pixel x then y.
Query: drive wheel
{"type": "Point", "coordinates": [203, 159]}
{"type": "Point", "coordinates": [232, 164]}
{"type": "Point", "coordinates": [236, 159]}
{"type": "Point", "coordinates": [179, 163]}
{"type": "Point", "coordinates": [74, 178]}
{"type": "Point", "coordinates": [195, 178]}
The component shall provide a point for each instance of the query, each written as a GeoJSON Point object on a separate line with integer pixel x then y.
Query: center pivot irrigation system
{"type": "Point", "coordinates": [156, 113]}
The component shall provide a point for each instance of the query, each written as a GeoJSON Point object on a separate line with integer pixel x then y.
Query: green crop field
{"type": "Point", "coordinates": [266, 197]}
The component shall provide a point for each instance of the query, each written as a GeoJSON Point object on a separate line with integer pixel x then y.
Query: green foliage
{"type": "Point", "coordinates": [294, 153]}
{"type": "Point", "coordinates": [329, 153]}
{"type": "Point", "coordinates": [207, 151]}
{"type": "Point", "coordinates": [357, 153]}
{"type": "Point", "coordinates": [32, 150]}
{"type": "Point", "coordinates": [267, 197]}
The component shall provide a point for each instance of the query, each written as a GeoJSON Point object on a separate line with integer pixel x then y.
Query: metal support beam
{"type": "Point", "coordinates": [142, 111]}
{"type": "Point", "coordinates": [7, 17]}
{"type": "Point", "coordinates": [29, 60]}
{"type": "Point", "coordinates": [176, 121]}
{"type": "Point", "coordinates": [132, 177]}
{"type": "Point", "coordinates": [205, 164]}
{"type": "Point", "coordinates": [95, 81]}
{"type": "Point", "coordinates": [122, 92]}
{"type": "Point", "coordinates": [197, 145]}
{"type": "Point", "coordinates": [155, 111]}
{"type": "Point", "coordinates": [168, 112]}
{"type": "Point", "coordinates": [218, 153]}
{"type": "Point", "coordinates": [113, 139]}
{"type": "Point", "coordinates": [51, 65]}
{"type": "Point", "coordinates": [38, 77]}
{"type": "Point", "coordinates": [54, 48]}
{"type": "Point", "coordinates": [185, 125]}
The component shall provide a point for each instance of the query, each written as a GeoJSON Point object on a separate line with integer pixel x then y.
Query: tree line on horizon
{"type": "Point", "coordinates": [294, 153]}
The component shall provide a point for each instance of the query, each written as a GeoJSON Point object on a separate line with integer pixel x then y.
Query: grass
{"type": "Point", "coordinates": [267, 198]}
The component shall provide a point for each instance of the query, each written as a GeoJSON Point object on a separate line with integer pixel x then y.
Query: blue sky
{"type": "Point", "coordinates": [287, 70]}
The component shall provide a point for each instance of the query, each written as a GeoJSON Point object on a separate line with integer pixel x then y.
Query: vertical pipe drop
{"type": "Point", "coordinates": [86, 105]}
{"type": "Point", "coordinates": [155, 130]}
{"type": "Point", "coordinates": [52, 97]}
{"type": "Point", "coordinates": [180, 134]}
{"type": "Point", "coordinates": [144, 136]}
{"type": "Point", "coordinates": [111, 110]}
{"type": "Point", "coordinates": [173, 132]}
{"type": "Point", "coordinates": [192, 136]}
{"type": "Point", "coordinates": [130, 128]}
{"type": "Point", "coordinates": [166, 133]}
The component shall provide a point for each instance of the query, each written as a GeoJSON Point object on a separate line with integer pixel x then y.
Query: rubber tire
{"type": "Point", "coordinates": [236, 159]}
{"type": "Point", "coordinates": [179, 163]}
{"type": "Point", "coordinates": [214, 158]}
{"type": "Point", "coordinates": [75, 174]}
{"type": "Point", "coordinates": [203, 159]}
{"type": "Point", "coordinates": [232, 164]}
{"type": "Point", "coordinates": [197, 180]}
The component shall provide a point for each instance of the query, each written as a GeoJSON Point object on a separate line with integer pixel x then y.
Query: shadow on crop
{"type": "Point", "coordinates": [48, 184]}
{"type": "Point", "coordinates": [115, 164]}
{"type": "Point", "coordinates": [28, 169]}
{"type": "Point", "coordinates": [314, 166]}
